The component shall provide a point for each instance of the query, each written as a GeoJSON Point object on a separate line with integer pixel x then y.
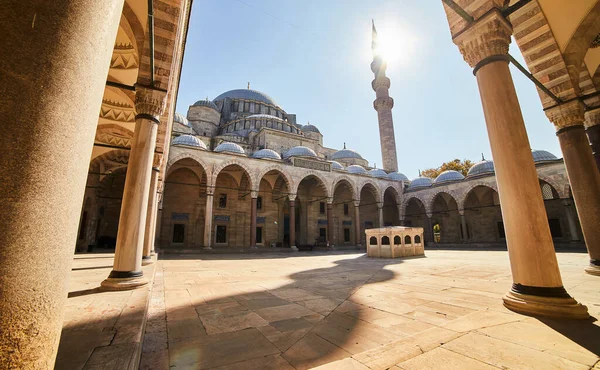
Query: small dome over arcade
{"type": "Point", "coordinates": [420, 182]}
{"type": "Point", "coordinates": [448, 176]}
{"type": "Point", "coordinates": [356, 169]}
{"type": "Point", "coordinates": [376, 172]}
{"type": "Point", "coordinates": [542, 156]}
{"type": "Point", "coordinates": [206, 103]}
{"type": "Point", "coordinates": [246, 94]}
{"type": "Point", "coordinates": [310, 128]}
{"type": "Point", "coordinates": [299, 151]}
{"type": "Point", "coordinates": [337, 166]}
{"type": "Point", "coordinates": [397, 176]}
{"type": "Point", "coordinates": [266, 154]}
{"type": "Point", "coordinates": [189, 140]}
{"type": "Point", "coordinates": [180, 118]}
{"type": "Point", "coordinates": [345, 154]}
{"type": "Point", "coordinates": [229, 147]}
{"type": "Point", "coordinates": [480, 168]}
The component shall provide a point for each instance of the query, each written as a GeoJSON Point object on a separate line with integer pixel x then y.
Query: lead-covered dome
{"type": "Point", "coordinates": [356, 169]}
{"type": "Point", "coordinates": [310, 128]}
{"type": "Point", "coordinates": [420, 182]}
{"type": "Point", "coordinates": [206, 103]}
{"type": "Point", "coordinates": [481, 168]}
{"type": "Point", "coordinates": [542, 156]}
{"type": "Point", "coordinates": [336, 166]}
{"type": "Point", "coordinates": [229, 147]}
{"type": "Point", "coordinates": [299, 151]}
{"type": "Point", "coordinates": [266, 154]}
{"type": "Point", "coordinates": [448, 176]}
{"type": "Point", "coordinates": [246, 94]}
{"type": "Point", "coordinates": [179, 118]}
{"type": "Point", "coordinates": [189, 140]}
{"type": "Point", "coordinates": [345, 154]}
{"type": "Point", "coordinates": [397, 176]}
{"type": "Point", "coordinates": [376, 172]}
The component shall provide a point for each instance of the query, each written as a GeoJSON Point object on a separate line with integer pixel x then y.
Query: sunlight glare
{"type": "Point", "coordinates": [397, 44]}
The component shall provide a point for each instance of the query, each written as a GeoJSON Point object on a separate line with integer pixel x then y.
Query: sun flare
{"type": "Point", "coordinates": [395, 44]}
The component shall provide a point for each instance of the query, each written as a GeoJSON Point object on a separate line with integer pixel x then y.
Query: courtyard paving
{"type": "Point", "coordinates": [346, 311]}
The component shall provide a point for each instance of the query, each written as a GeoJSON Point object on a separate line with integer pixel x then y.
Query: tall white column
{"type": "Point", "coordinates": [208, 218]}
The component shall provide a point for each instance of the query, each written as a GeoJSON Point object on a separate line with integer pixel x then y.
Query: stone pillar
{"type": "Point", "coordinates": [210, 191]}
{"type": "Point", "coordinates": [151, 216]}
{"type": "Point", "coordinates": [292, 198]}
{"type": "Point", "coordinates": [127, 268]}
{"type": "Point", "coordinates": [46, 142]}
{"type": "Point", "coordinates": [380, 214]}
{"type": "Point", "coordinates": [463, 225]}
{"type": "Point", "coordinates": [428, 229]}
{"type": "Point", "coordinates": [537, 285]}
{"type": "Point", "coordinates": [254, 199]}
{"type": "Point", "coordinates": [330, 222]}
{"type": "Point", "coordinates": [358, 236]}
{"type": "Point", "coordinates": [583, 174]}
{"type": "Point", "coordinates": [592, 129]}
{"type": "Point", "coordinates": [571, 219]}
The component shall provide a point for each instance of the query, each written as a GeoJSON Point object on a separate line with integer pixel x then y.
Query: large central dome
{"type": "Point", "coordinates": [248, 95]}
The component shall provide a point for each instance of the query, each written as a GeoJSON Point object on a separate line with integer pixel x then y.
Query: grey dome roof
{"type": "Point", "coordinates": [346, 153]}
{"type": "Point", "coordinates": [179, 118]}
{"type": "Point", "coordinates": [189, 140]}
{"type": "Point", "coordinates": [337, 166]}
{"type": "Point", "coordinates": [230, 148]}
{"type": "Point", "coordinates": [356, 169]}
{"type": "Point", "coordinates": [447, 176]}
{"type": "Point", "coordinates": [205, 103]}
{"type": "Point", "coordinates": [267, 116]}
{"type": "Point", "coordinates": [397, 176]}
{"type": "Point", "coordinates": [376, 172]}
{"type": "Point", "coordinates": [246, 94]}
{"type": "Point", "coordinates": [542, 156]}
{"type": "Point", "coordinates": [310, 128]}
{"type": "Point", "coordinates": [299, 151]}
{"type": "Point", "coordinates": [480, 168]}
{"type": "Point", "coordinates": [420, 182]}
{"type": "Point", "coordinates": [266, 153]}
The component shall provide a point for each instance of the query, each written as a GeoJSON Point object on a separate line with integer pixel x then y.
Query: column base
{"type": "Point", "coordinates": [119, 280]}
{"type": "Point", "coordinates": [593, 268]}
{"type": "Point", "coordinates": [547, 302]}
{"type": "Point", "coordinates": [294, 248]}
{"type": "Point", "coordinates": [206, 248]}
{"type": "Point", "coordinates": [147, 260]}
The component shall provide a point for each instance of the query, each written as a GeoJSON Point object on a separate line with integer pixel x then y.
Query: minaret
{"type": "Point", "coordinates": [383, 104]}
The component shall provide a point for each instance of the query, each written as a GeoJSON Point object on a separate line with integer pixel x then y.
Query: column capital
{"type": "Point", "coordinates": [566, 115]}
{"type": "Point", "coordinates": [379, 205]}
{"type": "Point", "coordinates": [292, 197]}
{"type": "Point", "coordinates": [254, 194]}
{"type": "Point", "coordinates": [592, 118]}
{"type": "Point", "coordinates": [157, 161]}
{"type": "Point", "coordinates": [380, 82]}
{"type": "Point", "coordinates": [461, 211]}
{"type": "Point", "coordinates": [488, 36]}
{"type": "Point", "coordinates": [356, 202]}
{"type": "Point", "coordinates": [149, 101]}
{"type": "Point", "coordinates": [210, 190]}
{"type": "Point", "coordinates": [383, 103]}
{"type": "Point", "coordinates": [329, 200]}
{"type": "Point", "coordinates": [567, 202]}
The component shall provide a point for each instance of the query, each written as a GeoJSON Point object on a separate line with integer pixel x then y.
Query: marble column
{"type": "Point", "coordinates": [127, 268]}
{"type": "Point", "coordinates": [253, 205]}
{"type": "Point", "coordinates": [330, 222]}
{"type": "Point", "coordinates": [583, 173]}
{"type": "Point", "coordinates": [292, 198]}
{"type": "Point", "coordinates": [571, 219]}
{"type": "Point", "coordinates": [592, 129]}
{"type": "Point", "coordinates": [537, 285]}
{"type": "Point", "coordinates": [358, 236]}
{"type": "Point", "coordinates": [428, 229]}
{"type": "Point", "coordinates": [463, 226]}
{"type": "Point", "coordinates": [46, 142]}
{"type": "Point", "coordinates": [151, 217]}
{"type": "Point", "coordinates": [380, 213]}
{"type": "Point", "coordinates": [210, 191]}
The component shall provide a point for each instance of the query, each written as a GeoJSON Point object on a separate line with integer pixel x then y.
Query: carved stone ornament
{"type": "Point", "coordinates": [592, 118]}
{"type": "Point", "coordinates": [383, 103]}
{"type": "Point", "coordinates": [488, 36]}
{"type": "Point", "coordinates": [292, 197]}
{"type": "Point", "coordinates": [566, 115]}
{"type": "Point", "coordinates": [150, 101]}
{"type": "Point", "coordinates": [380, 82]}
{"type": "Point", "coordinates": [157, 162]}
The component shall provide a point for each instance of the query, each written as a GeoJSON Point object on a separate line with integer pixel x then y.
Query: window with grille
{"type": "Point", "coordinates": [223, 201]}
{"type": "Point", "coordinates": [547, 192]}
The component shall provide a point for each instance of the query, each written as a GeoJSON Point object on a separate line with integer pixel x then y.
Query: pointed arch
{"type": "Point", "coordinates": [376, 191]}
{"type": "Point", "coordinates": [319, 176]}
{"type": "Point", "coordinates": [349, 181]}
{"type": "Point", "coordinates": [284, 174]}
{"type": "Point", "coordinates": [187, 155]}
{"type": "Point", "coordinates": [563, 189]}
{"type": "Point", "coordinates": [232, 162]}
{"type": "Point", "coordinates": [462, 197]}
{"type": "Point", "coordinates": [450, 193]}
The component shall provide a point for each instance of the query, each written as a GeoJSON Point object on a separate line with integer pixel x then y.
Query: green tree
{"type": "Point", "coordinates": [461, 166]}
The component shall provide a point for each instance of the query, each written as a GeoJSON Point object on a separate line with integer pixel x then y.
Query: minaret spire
{"type": "Point", "coordinates": [383, 104]}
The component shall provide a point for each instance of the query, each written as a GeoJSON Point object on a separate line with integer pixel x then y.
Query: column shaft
{"type": "Point", "coordinates": [428, 230]}
{"type": "Point", "coordinates": [292, 224]}
{"type": "Point", "coordinates": [380, 215]}
{"type": "Point", "coordinates": [150, 218]}
{"type": "Point", "coordinates": [208, 221]}
{"type": "Point", "coordinates": [357, 225]}
{"type": "Point", "coordinates": [593, 134]}
{"type": "Point", "coordinates": [571, 219]}
{"type": "Point", "coordinates": [46, 142]}
{"type": "Point", "coordinates": [330, 224]}
{"type": "Point", "coordinates": [463, 225]}
{"type": "Point", "coordinates": [253, 223]}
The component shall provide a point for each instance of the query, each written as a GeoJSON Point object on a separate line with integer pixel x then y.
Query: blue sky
{"type": "Point", "coordinates": [313, 57]}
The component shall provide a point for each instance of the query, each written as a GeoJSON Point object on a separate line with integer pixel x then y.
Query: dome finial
{"type": "Point", "coordinates": [248, 85]}
{"type": "Point", "coordinates": [419, 173]}
{"type": "Point", "coordinates": [482, 157]}
{"type": "Point", "coordinates": [344, 145]}
{"type": "Point", "coordinates": [374, 165]}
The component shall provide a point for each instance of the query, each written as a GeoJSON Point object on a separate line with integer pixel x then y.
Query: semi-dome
{"type": "Point", "coordinates": [299, 151]}
{"type": "Point", "coordinates": [229, 147]}
{"type": "Point", "coordinates": [310, 128]}
{"type": "Point", "coordinates": [336, 166]}
{"type": "Point", "coordinates": [542, 156]}
{"type": "Point", "coordinates": [266, 154]}
{"type": "Point", "coordinates": [346, 154]}
{"type": "Point", "coordinates": [447, 176]}
{"type": "Point", "coordinates": [205, 103]}
{"type": "Point", "coordinates": [480, 168]}
{"type": "Point", "coordinates": [360, 170]}
{"type": "Point", "coordinates": [397, 176]}
{"type": "Point", "coordinates": [420, 182]}
{"type": "Point", "coordinates": [376, 172]}
{"type": "Point", "coordinates": [179, 118]}
{"type": "Point", "coordinates": [189, 140]}
{"type": "Point", "coordinates": [246, 94]}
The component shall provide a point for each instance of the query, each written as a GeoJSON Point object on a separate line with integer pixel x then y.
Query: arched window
{"type": "Point", "coordinates": [547, 192]}
{"type": "Point", "coordinates": [417, 239]}
{"type": "Point", "coordinates": [373, 241]}
{"type": "Point", "coordinates": [407, 240]}
{"type": "Point", "coordinates": [385, 241]}
{"type": "Point", "coordinates": [396, 240]}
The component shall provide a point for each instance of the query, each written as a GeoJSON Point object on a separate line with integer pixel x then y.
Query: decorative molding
{"type": "Point", "coordinates": [124, 57]}
{"type": "Point", "coordinates": [566, 115]}
{"type": "Point", "coordinates": [117, 111]}
{"type": "Point", "coordinates": [383, 103]}
{"type": "Point", "coordinates": [150, 101]}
